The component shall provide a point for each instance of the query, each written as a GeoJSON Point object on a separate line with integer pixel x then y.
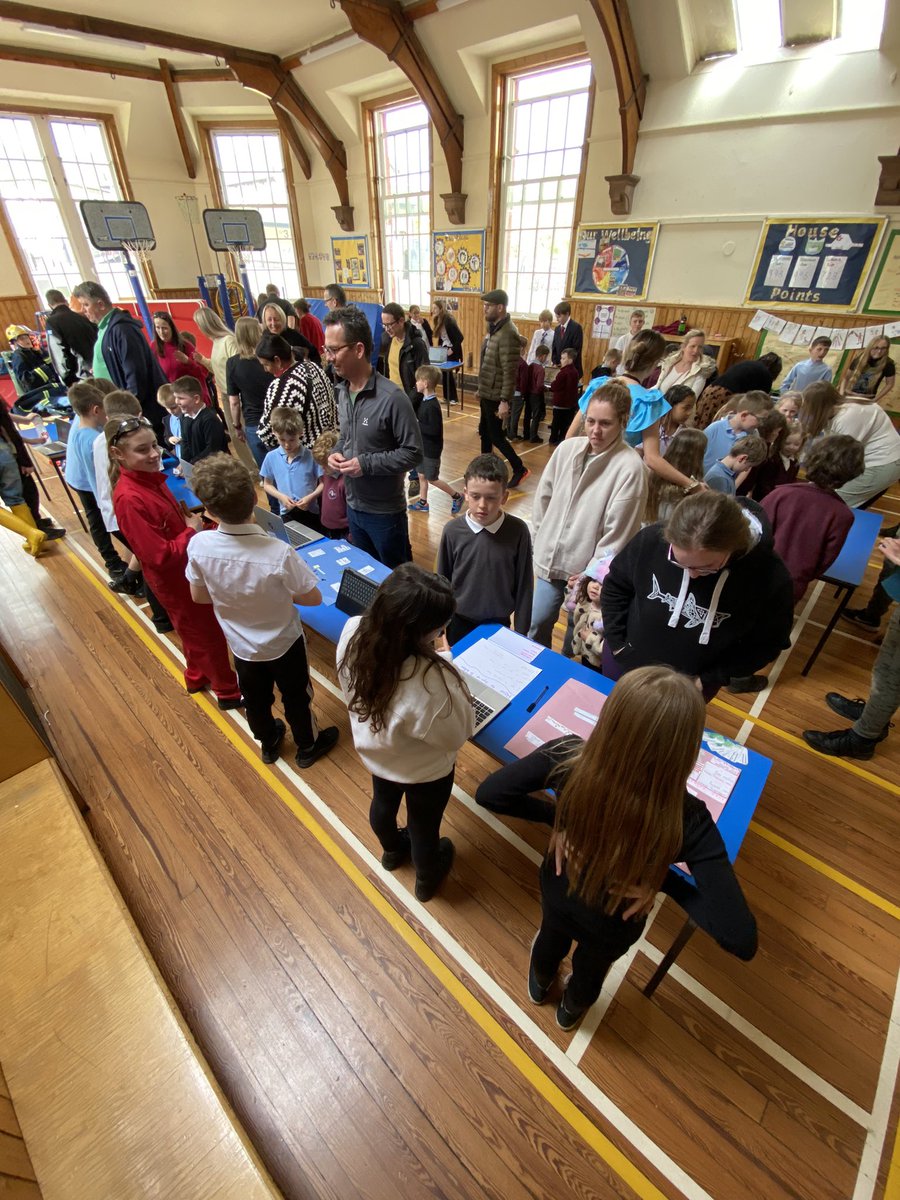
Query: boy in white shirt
{"type": "Point", "coordinates": [253, 582]}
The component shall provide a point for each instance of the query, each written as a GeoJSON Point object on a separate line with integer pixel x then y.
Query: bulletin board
{"type": "Point", "coordinates": [613, 261]}
{"type": "Point", "coordinates": [351, 261]}
{"type": "Point", "coordinates": [457, 260]}
{"type": "Point", "coordinates": [884, 294]}
{"type": "Point", "coordinates": [813, 262]}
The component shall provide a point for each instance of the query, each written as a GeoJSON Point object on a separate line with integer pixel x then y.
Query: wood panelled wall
{"type": "Point", "coordinates": [17, 310]}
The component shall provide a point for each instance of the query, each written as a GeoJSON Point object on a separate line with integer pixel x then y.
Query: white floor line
{"type": "Point", "coordinates": [611, 985]}
{"type": "Point", "coordinates": [761, 1040]}
{"type": "Point", "coordinates": [498, 827]}
{"type": "Point", "coordinates": [609, 1111]}
{"type": "Point", "coordinates": [870, 1161]}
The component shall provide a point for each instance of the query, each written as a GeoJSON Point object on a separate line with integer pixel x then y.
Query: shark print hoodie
{"type": "Point", "coordinates": [716, 627]}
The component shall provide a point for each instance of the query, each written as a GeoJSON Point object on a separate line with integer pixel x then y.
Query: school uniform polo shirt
{"type": "Point", "coordinates": [252, 579]}
{"type": "Point", "coordinates": [721, 479]}
{"type": "Point", "coordinates": [296, 478]}
{"type": "Point", "coordinates": [720, 439]}
{"type": "Point", "coordinates": [79, 470]}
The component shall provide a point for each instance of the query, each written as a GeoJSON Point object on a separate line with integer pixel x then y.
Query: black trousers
{"type": "Point", "coordinates": [290, 674]}
{"type": "Point", "coordinates": [490, 429]}
{"type": "Point", "coordinates": [535, 412]}
{"type": "Point", "coordinates": [99, 535]}
{"type": "Point", "coordinates": [510, 789]}
{"type": "Point", "coordinates": [559, 424]}
{"type": "Point", "coordinates": [158, 613]}
{"type": "Point", "coordinates": [425, 804]}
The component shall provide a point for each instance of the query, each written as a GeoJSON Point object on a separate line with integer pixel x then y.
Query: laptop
{"type": "Point", "coordinates": [355, 593]}
{"type": "Point", "coordinates": [485, 700]}
{"type": "Point", "coordinates": [63, 428]}
{"type": "Point", "coordinates": [292, 532]}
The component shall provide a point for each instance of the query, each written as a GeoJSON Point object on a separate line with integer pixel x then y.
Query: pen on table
{"type": "Point", "coordinates": [533, 705]}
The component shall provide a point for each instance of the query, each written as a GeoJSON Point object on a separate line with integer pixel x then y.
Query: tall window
{"type": "Point", "coordinates": [251, 173]}
{"type": "Point", "coordinates": [546, 124]}
{"type": "Point", "coordinates": [403, 183]}
{"type": "Point", "coordinates": [48, 164]}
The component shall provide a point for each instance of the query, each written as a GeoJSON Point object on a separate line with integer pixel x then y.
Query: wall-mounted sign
{"type": "Point", "coordinates": [613, 260]}
{"type": "Point", "coordinates": [351, 261]}
{"type": "Point", "coordinates": [813, 262]}
{"type": "Point", "coordinates": [457, 260]}
{"type": "Point", "coordinates": [884, 294]}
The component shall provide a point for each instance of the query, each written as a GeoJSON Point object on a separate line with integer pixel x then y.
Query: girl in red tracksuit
{"type": "Point", "coordinates": [158, 531]}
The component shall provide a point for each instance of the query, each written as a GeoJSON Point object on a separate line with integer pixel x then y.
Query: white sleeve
{"type": "Point", "coordinates": [298, 577]}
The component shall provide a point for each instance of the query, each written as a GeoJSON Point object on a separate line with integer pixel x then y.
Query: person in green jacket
{"type": "Point", "coordinates": [497, 380]}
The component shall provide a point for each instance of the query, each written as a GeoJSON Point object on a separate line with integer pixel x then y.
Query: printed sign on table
{"type": "Point", "coordinates": [351, 261]}
{"type": "Point", "coordinates": [457, 260]}
{"type": "Point", "coordinates": [613, 260]}
{"type": "Point", "coordinates": [813, 262]}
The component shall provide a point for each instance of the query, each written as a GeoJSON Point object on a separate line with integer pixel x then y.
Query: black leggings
{"type": "Point", "coordinates": [157, 612]}
{"type": "Point", "coordinates": [425, 804]}
{"type": "Point", "coordinates": [509, 790]}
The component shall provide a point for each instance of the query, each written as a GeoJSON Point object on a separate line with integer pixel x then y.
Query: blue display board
{"type": "Point", "coordinates": [613, 260]}
{"type": "Point", "coordinates": [813, 262]}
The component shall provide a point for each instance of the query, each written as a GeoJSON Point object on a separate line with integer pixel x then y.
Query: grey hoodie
{"type": "Point", "coordinates": [380, 429]}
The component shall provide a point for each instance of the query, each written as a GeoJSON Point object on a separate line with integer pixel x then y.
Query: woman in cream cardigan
{"type": "Point", "coordinates": [589, 501]}
{"type": "Point", "coordinates": [688, 364]}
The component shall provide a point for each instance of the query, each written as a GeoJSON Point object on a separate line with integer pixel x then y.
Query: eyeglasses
{"type": "Point", "coordinates": [695, 570]}
{"type": "Point", "coordinates": [129, 425]}
{"type": "Point", "coordinates": [332, 351]}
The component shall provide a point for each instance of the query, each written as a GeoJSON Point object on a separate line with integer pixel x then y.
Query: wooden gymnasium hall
{"type": "Point", "coordinates": [209, 987]}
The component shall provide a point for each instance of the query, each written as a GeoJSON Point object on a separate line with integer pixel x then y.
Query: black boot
{"type": "Point", "coordinates": [842, 743]}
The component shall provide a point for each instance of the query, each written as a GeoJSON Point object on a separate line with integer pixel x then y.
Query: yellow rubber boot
{"type": "Point", "coordinates": [20, 520]}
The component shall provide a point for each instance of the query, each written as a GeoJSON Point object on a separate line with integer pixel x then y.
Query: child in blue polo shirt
{"type": "Point", "coordinates": [743, 420]}
{"type": "Point", "coordinates": [290, 474]}
{"type": "Point", "coordinates": [87, 404]}
{"type": "Point", "coordinates": [745, 453]}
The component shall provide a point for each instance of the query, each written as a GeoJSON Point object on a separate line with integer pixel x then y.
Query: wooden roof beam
{"type": "Point", "coordinates": [631, 84]}
{"type": "Point", "coordinates": [78, 62]}
{"type": "Point", "coordinates": [386, 25]}
{"type": "Point", "coordinates": [292, 137]}
{"type": "Point", "coordinates": [178, 119]}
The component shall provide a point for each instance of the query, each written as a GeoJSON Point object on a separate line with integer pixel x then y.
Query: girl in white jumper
{"type": "Point", "coordinates": [410, 712]}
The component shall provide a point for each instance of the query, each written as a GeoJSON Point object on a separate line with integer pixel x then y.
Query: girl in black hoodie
{"type": "Point", "coordinates": [704, 593]}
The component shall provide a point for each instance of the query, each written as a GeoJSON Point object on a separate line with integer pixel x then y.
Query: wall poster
{"type": "Point", "coordinates": [884, 294]}
{"type": "Point", "coordinates": [351, 261]}
{"type": "Point", "coordinates": [813, 262]}
{"type": "Point", "coordinates": [457, 260]}
{"type": "Point", "coordinates": [613, 260]}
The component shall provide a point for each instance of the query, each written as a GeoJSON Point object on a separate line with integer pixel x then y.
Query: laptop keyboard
{"type": "Point", "coordinates": [360, 591]}
{"type": "Point", "coordinates": [295, 537]}
{"type": "Point", "coordinates": [483, 712]}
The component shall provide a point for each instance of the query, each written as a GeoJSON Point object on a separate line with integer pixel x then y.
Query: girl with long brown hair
{"type": "Point", "coordinates": [410, 712]}
{"type": "Point", "coordinates": [622, 817]}
{"type": "Point", "coordinates": [685, 453]}
{"type": "Point", "coordinates": [871, 373]}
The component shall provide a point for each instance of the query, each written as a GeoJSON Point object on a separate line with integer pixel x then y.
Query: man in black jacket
{"type": "Point", "coordinates": [202, 431]}
{"type": "Point", "coordinates": [71, 338]}
{"type": "Point", "coordinates": [568, 335]}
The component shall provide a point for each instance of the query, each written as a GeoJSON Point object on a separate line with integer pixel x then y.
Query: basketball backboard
{"type": "Point", "coordinates": [110, 224]}
{"type": "Point", "coordinates": [234, 229]}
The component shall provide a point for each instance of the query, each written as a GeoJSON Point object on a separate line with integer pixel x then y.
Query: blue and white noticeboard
{"type": "Point", "coordinates": [613, 261]}
{"type": "Point", "coordinates": [813, 262]}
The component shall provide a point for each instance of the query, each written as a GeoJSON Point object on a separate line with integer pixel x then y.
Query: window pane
{"type": "Point", "coordinates": [546, 130]}
{"type": "Point", "coordinates": [403, 159]}
{"type": "Point", "coordinates": [251, 174]}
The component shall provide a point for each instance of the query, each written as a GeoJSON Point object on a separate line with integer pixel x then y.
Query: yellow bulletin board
{"type": "Point", "coordinates": [351, 261]}
{"type": "Point", "coordinates": [457, 260]}
{"type": "Point", "coordinates": [884, 294]}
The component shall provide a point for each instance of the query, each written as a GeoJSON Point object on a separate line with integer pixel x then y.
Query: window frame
{"type": "Point", "coordinates": [208, 128]}
{"type": "Point", "coordinates": [107, 121]}
{"type": "Point", "coordinates": [370, 108]}
{"type": "Point", "coordinates": [501, 74]}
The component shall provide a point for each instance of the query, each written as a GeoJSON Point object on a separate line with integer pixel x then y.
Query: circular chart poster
{"type": "Point", "coordinates": [613, 261]}
{"type": "Point", "coordinates": [458, 260]}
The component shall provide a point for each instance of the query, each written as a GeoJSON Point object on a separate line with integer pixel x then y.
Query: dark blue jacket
{"type": "Point", "coordinates": [132, 365]}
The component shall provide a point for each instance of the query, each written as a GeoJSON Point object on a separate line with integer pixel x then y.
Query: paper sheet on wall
{"type": "Point", "coordinates": [776, 273]}
{"type": "Point", "coordinates": [775, 324]}
{"type": "Point", "coordinates": [854, 339]}
{"type": "Point", "coordinates": [601, 326]}
{"type": "Point", "coordinates": [804, 270]}
{"type": "Point", "coordinates": [873, 331]}
{"type": "Point", "coordinates": [838, 339]}
{"type": "Point", "coordinates": [788, 335]}
{"type": "Point", "coordinates": [805, 335]}
{"type": "Point", "coordinates": [892, 329]}
{"type": "Point", "coordinates": [823, 331]}
{"type": "Point", "coordinates": [496, 667]}
{"type": "Point", "coordinates": [574, 708]}
{"type": "Point", "coordinates": [515, 644]}
{"type": "Point", "coordinates": [758, 320]}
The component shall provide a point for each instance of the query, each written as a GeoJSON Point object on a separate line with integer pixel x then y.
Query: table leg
{"type": "Point", "coordinates": [462, 387]}
{"type": "Point", "coordinates": [62, 480]}
{"type": "Point", "coordinates": [826, 632]}
{"type": "Point", "coordinates": [37, 471]}
{"type": "Point", "coordinates": [672, 953]}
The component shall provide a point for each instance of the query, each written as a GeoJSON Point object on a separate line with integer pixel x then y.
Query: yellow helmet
{"type": "Point", "coordinates": [14, 331]}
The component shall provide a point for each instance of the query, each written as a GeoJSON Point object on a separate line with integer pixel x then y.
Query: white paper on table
{"type": "Point", "coordinates": [342, 562]}
{"type": "Point", "coordinates": [779, 265]}
{"type": "Point", "coordinates": [838, 338]}
{"type": "Point", "coordinates": [342, 549]}
{"type": "Point", "coordinates": [789, 333]}
{"type": "Point", "coordinates": [520, 646]}
{"type": "Point", "coordinates": [804, 270]}
{"type": "Point", "coordinates": [854, 339]}
{"type": "Point", "coordinates": [366, 570]}
{"type": "Point", "coordinates": [873, 331]}
{"type": "Point", "coordinates": [775, 324]}
{"type": "Point", "coordinates": [335, 587]}
{"type": "Point", "coordinates": [758, 320]}
{"type": "Point", "coordinates": [727, 748]}
{"type": "Point", "coordinates": [496, 667]}
{"type": "Point", "coordinates": [832, 270]}
{"type": "Point", "coordinates": [315, 553]}
{"type": "Point", "coordinates": [892, 329]}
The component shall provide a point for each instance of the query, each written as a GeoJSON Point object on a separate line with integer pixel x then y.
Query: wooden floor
{"type": "Point", "coordinates": [376, 1047]}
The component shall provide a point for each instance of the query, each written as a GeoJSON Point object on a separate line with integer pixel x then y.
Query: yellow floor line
{"type": "Point", "coordinates": [892, 1187]}
{"type": "Point", "coordinates": [536, 1077]}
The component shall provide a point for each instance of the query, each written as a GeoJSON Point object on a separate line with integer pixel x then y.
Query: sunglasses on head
{"type": "Point", "coordinates": [129, 425]}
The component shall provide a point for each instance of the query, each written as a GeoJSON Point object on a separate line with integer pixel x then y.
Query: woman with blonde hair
{"type": "Point", "coordinates": [623, 815]}
{"type": "Point", "coordinates": [224, 346]}
{"type": "Point", "coordinates": [247, 382]}
{"type": "Point", "coordinates": [687, 365]}
{"type": "Point", "coordinates": [273, 321]}
{"type": "Point", "coordinates": [826, 411]}
{"type": "Point", "coordinates": [871, 372]}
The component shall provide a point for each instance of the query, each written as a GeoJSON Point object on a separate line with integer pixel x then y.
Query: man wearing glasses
{"type": "Point", "coordinates": [379, 440]}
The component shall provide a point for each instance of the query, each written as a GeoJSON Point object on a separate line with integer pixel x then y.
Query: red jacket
{"type": "Point", "coordinates": [809, 525]}
{"type": "Point", "coordinates": [313, 330]}
{"type": "Point", "coordinates": [173, 369]}
{"type": "Point", "coordinates": [564, 387]}
{"type": "Point", "coordinates": [522, 377]}
{"type": "Point", "coordinates": [535, 385]}
{"type": "Point", "coordinates": [151, 519]}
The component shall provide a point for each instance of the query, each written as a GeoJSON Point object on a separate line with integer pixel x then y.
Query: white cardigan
{"type": "Point", "coordinates": [579, 514]}
{"type": "Point", "coordinates": [871, 425]}
{"type": "Point", "coordinates": [430, 718]}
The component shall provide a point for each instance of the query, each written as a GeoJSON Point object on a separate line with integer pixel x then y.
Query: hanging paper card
{"type": "Point", "coordinates": [838, 339]}
{"type": "Point", "coordinates": [892, 329]}
{"type": "Point", "coordinates": [758, 320]}
{"type": "Point", "coordinates": [805, 335]}
{"type": "Point", "coordinates": [873, 331]}
{"type": "Point", "coordinates": [823, 331]}
{"type": "Point", "coordinates": [789, 333]}
{"type": "Point", "coordinates": [775, 324]}
{"type": "Point", "coordinates": [855, 338]}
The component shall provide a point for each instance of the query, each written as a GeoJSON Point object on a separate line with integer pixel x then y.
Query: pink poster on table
{"type": "Point", "coordinates": [574, 708]}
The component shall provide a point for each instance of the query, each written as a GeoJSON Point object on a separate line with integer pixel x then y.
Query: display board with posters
{"type": "Point", "coordinates": [457, 260]}
{"type": "Point", "coordinates": [351, 261]}
{"type": "Point", "coordinates": [884, 294]}
{"type": "Point", "coordinates": [613, 261]}
{"type": "Point", "coordinates": [813, 262]}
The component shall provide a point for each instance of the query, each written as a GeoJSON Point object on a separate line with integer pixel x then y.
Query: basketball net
{"type": "Point", "coordinates": [139, 249]}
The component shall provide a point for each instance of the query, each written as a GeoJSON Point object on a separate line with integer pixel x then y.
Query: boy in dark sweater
{"type": "Point", "coordinates": [564, 389]}
{"type": "Point", "coordinates": [486, 555]}
{"type": "Point", "coordinates": [202, 431]}
{"type": "Point", "coordinates": [809, 520]}
{"type": "Point", "coordinates": [520, 394]}
{"type": "Point", "coordinates": [537, 404]}
{"type": "Point", "coordinates": [432, 426]}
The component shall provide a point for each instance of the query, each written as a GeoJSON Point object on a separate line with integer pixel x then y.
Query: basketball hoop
{"type": "Point", "coordinates": [139, 249]}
